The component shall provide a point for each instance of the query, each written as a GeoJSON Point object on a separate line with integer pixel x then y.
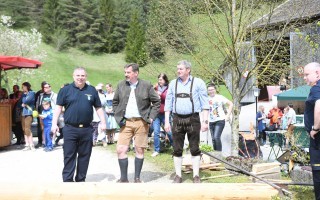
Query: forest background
{"type": "Point", "coordinates": [104, 35]}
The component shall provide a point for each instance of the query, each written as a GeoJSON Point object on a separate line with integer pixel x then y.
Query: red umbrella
{"type": "Point", "coordinates": [16, 62]}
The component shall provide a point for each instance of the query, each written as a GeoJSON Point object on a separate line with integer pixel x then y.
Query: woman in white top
{"type": "Point", "coordinates": [217, 115]}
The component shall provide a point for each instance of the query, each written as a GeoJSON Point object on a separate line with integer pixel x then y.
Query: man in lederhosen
{"type": "Point", "coordinates": [312, 121]}
{"type": "Point", "coordinates": [186, 98]}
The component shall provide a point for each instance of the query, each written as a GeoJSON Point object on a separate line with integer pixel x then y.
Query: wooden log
{"type": "Point", "coordinates": [269, 171]}
{"type": "Point", "coordinates": [205, 159]}
{"type": "Point", "coordinates": [205, 166]}
{"type": "Point", "coordinates": [256, 168]}
{"type": "Point", "coordinates": [219, 176]}
{"type": "Point", "coordinates": [217, 168]}
{"type": "Point", "coordinates": [119, 191]}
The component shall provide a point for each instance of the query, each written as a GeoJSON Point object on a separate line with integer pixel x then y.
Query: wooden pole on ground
{"type": "Point", "coordinates": [132, 191]}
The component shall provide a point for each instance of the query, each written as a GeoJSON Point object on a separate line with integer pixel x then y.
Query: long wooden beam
{"type": "Point", "coordinates": [132, 191]}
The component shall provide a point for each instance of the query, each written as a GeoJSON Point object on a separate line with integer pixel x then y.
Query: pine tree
{"type": "Point", "coordinates": [18, 10]}
{"type": "Point", "coordinates": [172, 31]}
{"type": "Point", "coordinates": [50, 20]}
{"type": "Point", "coordinates": [91, 40]}
{"type": "Point", "coordinates": [106, 12]}
{"type": "Point", "coordinates": [135, 42]}
{"type": "Point", "coordinates": [72, 18]}
{"type": "Point", "coordinates": [35, 11]}
{"type": "Point", "coordinates": [122, 14]}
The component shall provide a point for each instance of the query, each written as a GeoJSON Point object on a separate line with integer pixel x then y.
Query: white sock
{"type": "Point", "coordinates": [177, 165]}
{"type": "Point", "coordinates": [196, 165]}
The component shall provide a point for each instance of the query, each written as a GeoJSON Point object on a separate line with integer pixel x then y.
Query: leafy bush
{"type": "Point", "coordinates": [206, 148]}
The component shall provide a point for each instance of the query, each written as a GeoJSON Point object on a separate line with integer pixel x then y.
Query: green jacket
{"type": "Point", "coordinates": [147, 99]}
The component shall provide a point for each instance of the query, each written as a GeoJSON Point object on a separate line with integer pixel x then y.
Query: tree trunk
{"type": "Point", "coordinates": [235, 126]}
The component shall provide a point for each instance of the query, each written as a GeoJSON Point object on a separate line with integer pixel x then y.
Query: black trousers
{"type": "Point", "coordinates": [18, 132]}
{"type": "Point", "coordinates": [39, 131]}
{"type": "Point", "coordinates": [77, 148]}
{"type": "Point", "coordinates": [315, 163]}
{"type": "Point", "coordinates": [182, 126]}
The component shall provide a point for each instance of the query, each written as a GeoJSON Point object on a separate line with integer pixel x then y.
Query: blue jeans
{"type": "Point", "coordinates": [156, 132]}
{"type": "Point", "coordinates": [216, 129]}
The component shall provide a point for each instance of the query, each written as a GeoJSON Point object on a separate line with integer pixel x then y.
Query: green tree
{"type": "Point", "coordinates": [123, 12]}
{"type": "Point", "coordinates": [92, 39]}
{"type": "Point", "coordinates": [172, 31]}
{"type": "Point", "coordinates": [50, 20]}
{"type": "Point", "coordinates": [18, 10]}
{"type": "Point", "coordinates": [72, 18]}
{"type": "Point", "coordinates": [227, 40]}
{"type": "Point", "coordinates": [135, 43]}
{"type": "Point", "coordinates": [34, 10]}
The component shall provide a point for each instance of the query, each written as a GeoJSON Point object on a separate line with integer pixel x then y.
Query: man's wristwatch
{"type": "Point", "coordinates": [205, 121]}
{"type": "Point", "coordinates": [315, 129]}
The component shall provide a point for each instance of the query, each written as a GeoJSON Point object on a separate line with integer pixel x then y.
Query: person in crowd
{"type": "Point", "coordinates": [136, 104]}
{"type": "Point", "coordinates": [78, 98]}
{"type": "Point", "coordinates": [291, 120]}
{"type": "Point", "coordinates": [61, 123]}
{"type": "Point", "coordinates": [111, 121]}
{"type": "Point", "coordinates": [186, 98]}
{"type": "Point", "coordinates": [261, 118]}
{"type": "Point", "coordinates": [161, 88]}
{"type": "Point", "coordinates": [26, 120]}
{"type": "Point", "coordinates": [16, 94]}
{"type": "Point", "coordinates": [4, 94]}
{"type": "Point", "coordinates": [39, 122]}
{"type": "Point", "coordinates": [217, 115]}
{"type": "Point", "coordinates": [47, 93]}
{"type": "Point", "coordinates": [312, 121]}
{"type": "Point", "coordinates": [96, 120]}
{"type": "Point", "coordinates": [16, 114]}
{"type": "Point", "coordinates": [283, 83]}
{"type": "Point", "coordinates": [46, 117]}
{"type": "Point", "coordinates": [16, 120]}
{"type": "Point", "coordinates": [284, 120]}
{"type": "Point", "coordinates": [275, 115]}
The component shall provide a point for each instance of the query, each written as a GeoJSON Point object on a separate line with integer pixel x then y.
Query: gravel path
{"type": "Point", "coordinates": [38, 166]}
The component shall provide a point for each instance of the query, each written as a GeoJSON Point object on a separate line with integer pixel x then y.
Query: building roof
{"type": "Point", "coordinates": [289, 11]}
{"type": "Point", "coordinates": [296, 94]}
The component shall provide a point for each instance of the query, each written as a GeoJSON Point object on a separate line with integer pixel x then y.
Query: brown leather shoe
{"type": "Point", "coordinates": [177, 179]}
{"type": "Point", "coordinates": [121, 181]}
{"type": "Point", "coordinates": [196, 179]}
{"type": "Point", "coordinates": [137, 180]}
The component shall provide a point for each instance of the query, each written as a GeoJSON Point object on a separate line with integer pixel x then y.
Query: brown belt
{"type": "Point", "coordinates": [132, 119]}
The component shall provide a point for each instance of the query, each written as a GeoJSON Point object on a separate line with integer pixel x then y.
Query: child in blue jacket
{"type": "Point", "coordinates": [46, 116]}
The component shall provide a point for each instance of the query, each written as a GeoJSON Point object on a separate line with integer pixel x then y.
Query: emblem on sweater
{"type": "Point", "coordinates": [89, 96]}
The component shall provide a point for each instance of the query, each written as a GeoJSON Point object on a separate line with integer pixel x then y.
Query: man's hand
{"type": "Point", "coordinates": [54, 128]}
{"type": "Point", "coordinates": [167, 127]}
{"type": "Point", "coordinates": [313, 133]}
{"type": "Point", "coordinates": [103, 126]}
{"type": "Point", "coordinates": [204, 126]}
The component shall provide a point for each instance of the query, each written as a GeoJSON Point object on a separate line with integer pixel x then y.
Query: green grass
{"type": "Point", "coordinates": [164, 162]}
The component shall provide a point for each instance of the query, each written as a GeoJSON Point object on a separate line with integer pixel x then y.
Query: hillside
{"type": "Point", "coordinates": [57, 68]}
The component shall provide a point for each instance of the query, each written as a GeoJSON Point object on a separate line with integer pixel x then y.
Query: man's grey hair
{"type": "Point", "coordinates": [79, 68]}
{"type": "Point", "coordinates": [135, 67]}
{"type": "Point", "coordinates": [185, 63]}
